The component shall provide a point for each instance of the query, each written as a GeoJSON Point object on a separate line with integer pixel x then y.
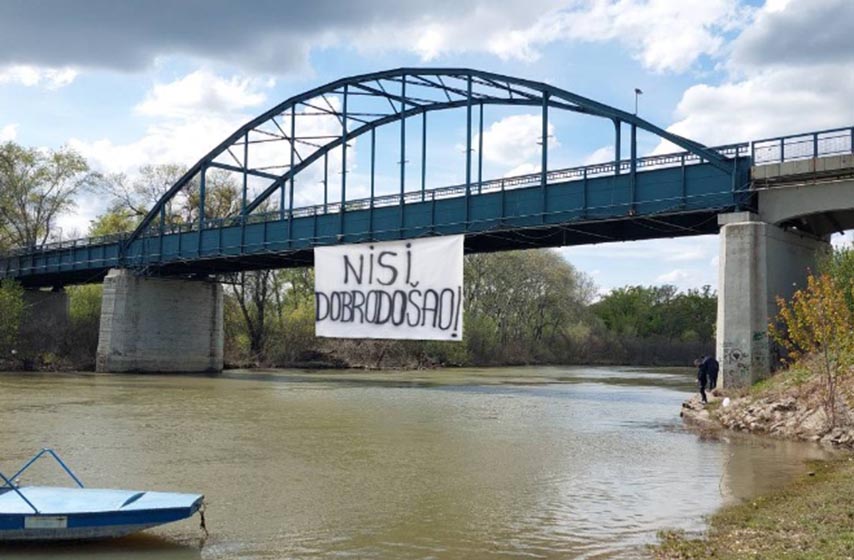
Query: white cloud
{"type": "Point", "coordinates": [601, 155]}
{"type": "Point", "coordinates": [171, 141]}
{"type": "Point", "coordinates": [201, 93]}
{"type": "Point", "coordinates": [522, 169]}
{"type": "Point", "coordinates": [189, 117]}
{"type": "Point", "coordinates": [514, 142]}
{"type": "Point", "coordinates": [75, 224]}
{"type": "Point", "coordinates": [770, 91]}
{"type": "Point", "coordinates": [8, 132]}
{"type": "Point", "coordinates": [662, 34]}
{"type": "Point", "coordinates": [677, 249]}
{"type": "Point", "coordinates": [688, 278]}
{"type": "Point", "coordinates": [674, 276]}
{"type": "Point", "coordinates": [775, 102]}
{"type": "Point", "coordinates": [26, 75]}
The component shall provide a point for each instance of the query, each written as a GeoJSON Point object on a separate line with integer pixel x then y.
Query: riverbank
{"type": "Point", "coordinates": [809, 518]}
{"type": "Point", "coordinates": [395, 362]}
{"type": "Point", "coordinates": [787, 406]}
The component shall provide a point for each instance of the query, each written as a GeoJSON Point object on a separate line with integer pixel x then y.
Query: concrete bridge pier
{"type": "Point", "coordinates": [160, 325]}
{"type": "Point", "coordinates": [758, 262]}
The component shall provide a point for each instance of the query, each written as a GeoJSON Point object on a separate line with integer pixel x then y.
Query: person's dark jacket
{"type": "Point", "coordinates": [703, 370]}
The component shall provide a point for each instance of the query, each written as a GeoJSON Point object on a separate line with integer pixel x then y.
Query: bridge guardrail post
{"type": "Point", "coordinates": [782, 150]}
{"type": "Point", "coordinates": [633, 167]}
{"type": "Point", "coordinates": [314, 224]}
{"type": "Point", "coordinates": [815, 144]}
{"type": "Point", "coordinates": [583, 194]}
{"type": "Point", "coordinates": [735, 176]}
{"type": "Point", "coordinates": [433, 212]}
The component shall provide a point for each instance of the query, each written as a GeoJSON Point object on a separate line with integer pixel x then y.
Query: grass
{"type": "Point", "coordinates": [811, 518]}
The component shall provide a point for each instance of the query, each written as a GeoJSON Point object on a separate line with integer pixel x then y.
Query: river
{"type": "Point", "coordinates": [554, 462]}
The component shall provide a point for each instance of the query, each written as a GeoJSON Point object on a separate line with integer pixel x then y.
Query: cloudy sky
{"type": "Point", "coordinates": [161, 81]}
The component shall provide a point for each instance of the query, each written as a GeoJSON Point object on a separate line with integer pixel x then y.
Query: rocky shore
{"type": "Point", "coordinates": [780, 414]}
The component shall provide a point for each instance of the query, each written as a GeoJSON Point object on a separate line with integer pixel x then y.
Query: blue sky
{"type": "Point", "coordinates": [161, 82]}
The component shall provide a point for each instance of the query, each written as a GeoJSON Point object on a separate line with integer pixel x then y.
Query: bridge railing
{"type": "Point", "coordinates": [68, 244]}
{"type": "Point", "coordinates": [830, 142]}
{"type": "Point", "coordinates": [769, 150]}
{"type": "Point", "coordinates": [493, 185]}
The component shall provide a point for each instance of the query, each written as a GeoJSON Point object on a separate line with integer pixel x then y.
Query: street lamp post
{"type": "Point", "coordinates": [637, 93]}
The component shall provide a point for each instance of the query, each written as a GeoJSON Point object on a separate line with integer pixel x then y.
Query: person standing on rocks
{"type": "Point", "coordinates": [702, 377]}
{"type": "Point", "coordinates": [712, 368]}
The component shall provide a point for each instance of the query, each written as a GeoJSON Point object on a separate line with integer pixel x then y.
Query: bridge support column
{"type": "Point", "coordinates": [159, 325]}
{"type": "Point", "coordinates": [758, 263]}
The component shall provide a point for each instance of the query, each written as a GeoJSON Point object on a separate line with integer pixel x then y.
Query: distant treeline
{"type": "Point", "coordinates": [522, 307]}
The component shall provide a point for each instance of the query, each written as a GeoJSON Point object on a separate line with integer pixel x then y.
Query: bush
{"type": "Point", "coordinates": [815, 329]}
{"type": "Point", "coordinates": [11, 311]}
{"type": "Point", "coordinates": [84, 319]}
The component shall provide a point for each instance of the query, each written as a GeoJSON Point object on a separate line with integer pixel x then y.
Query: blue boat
{"type": "Point", "coordinates": [37, 513]}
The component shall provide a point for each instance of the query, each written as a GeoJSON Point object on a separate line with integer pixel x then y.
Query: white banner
{"type": "Point", "coordinates": [410, 289]}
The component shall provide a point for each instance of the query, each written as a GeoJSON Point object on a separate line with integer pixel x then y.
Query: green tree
{"type": "Point", "coordinates": [84, 314]}
{"type": "Point", "coordinates": [11, 311]}
{"type": "Point", "coordinates": [528, 299]}
{"type": "Point", "coordinates": [659, 311]}
{"type": "Point", "coordinates": [36, 186]}
{"type": "Point", "coordinates": [115, 220]}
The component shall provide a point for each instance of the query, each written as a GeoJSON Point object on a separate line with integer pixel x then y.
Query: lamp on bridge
{"type": "Point", "coordinates": [638, 92]}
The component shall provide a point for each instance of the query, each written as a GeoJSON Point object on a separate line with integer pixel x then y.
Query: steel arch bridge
{"type": "Point", "coordinates": [274, 156]}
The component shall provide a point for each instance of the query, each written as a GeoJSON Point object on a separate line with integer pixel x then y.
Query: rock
{"type": "Point", "coordinates": [784, 405]}
{"type": "Point", "coordinates": [813, 422]}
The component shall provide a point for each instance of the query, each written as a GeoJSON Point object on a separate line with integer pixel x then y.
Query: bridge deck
{"type": "Point", "coordinates": [669, 196]}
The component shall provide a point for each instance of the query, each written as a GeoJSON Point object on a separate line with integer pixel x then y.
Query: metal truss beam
{"type": "Point", "coordinates": [454, 84]}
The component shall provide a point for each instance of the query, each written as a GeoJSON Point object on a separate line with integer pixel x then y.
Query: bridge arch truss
{"type": "Point", "coordinates": [272, 150]}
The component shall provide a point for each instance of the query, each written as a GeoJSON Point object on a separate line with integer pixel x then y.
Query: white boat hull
{"type": "Point", "coordinates": [82, 514]}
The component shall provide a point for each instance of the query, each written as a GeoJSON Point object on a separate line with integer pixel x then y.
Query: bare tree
{"type": "Point", "coordinates": [138, 194]}
{"type": "Point", "coordinates": [36, 186]}
{"type": "Point", "coordinates": [252, 292]}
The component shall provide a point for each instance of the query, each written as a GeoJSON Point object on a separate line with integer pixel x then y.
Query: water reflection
{"type": "Point", "coordinates": [545, 462]}
{"type": "Point", "coordinates": [136, 547]}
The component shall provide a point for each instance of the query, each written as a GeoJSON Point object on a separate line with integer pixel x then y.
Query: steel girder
{"type": "Point", "coordinates": [430, 89]}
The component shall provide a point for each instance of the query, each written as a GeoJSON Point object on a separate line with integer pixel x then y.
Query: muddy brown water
{"type": "Point", "coordinates": [478, 464]}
